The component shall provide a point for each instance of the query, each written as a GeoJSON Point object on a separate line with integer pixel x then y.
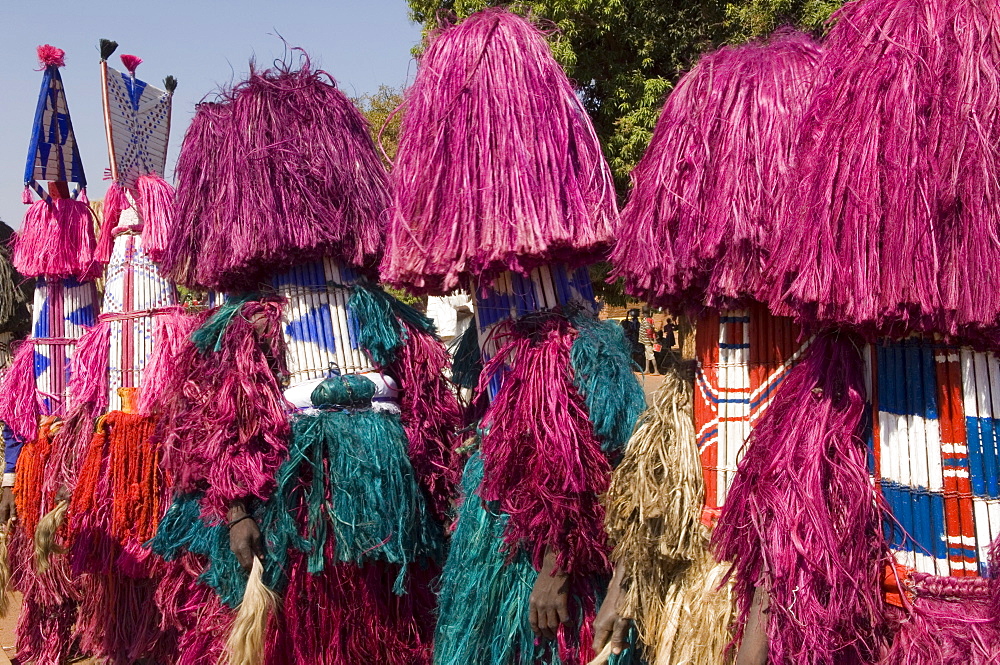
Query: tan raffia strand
{"type": "Point", "coordinates": [673, 588]}
{"type": "Point", "coordinates": [656, 496]}
{"type": "Point", "coordinates": [685, 612]}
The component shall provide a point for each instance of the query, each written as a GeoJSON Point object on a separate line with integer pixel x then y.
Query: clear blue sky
{"type": "Point", "coordinates": [361, 43]}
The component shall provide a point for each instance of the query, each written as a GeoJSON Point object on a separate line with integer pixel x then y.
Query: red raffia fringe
{"type": "Point", "coordinates": [279, 171]}
{"type": "Point", "coordinates": [118, 622]}
{"type": "Point", "coordinates": [431, 416]}
{"type": "Point", "coordinates": [541, 460]}
{"type": "Point", "coordinates": [701, 216]}
{"type": "Point", "coordinates": [116, 502]}
{"type": "Point", "coordinates": [49, 610]}
{"type": "Point", "coordinates": [88, 381]}
{"type": "Point", "coordinates": [224, 420]}
{"type": "Point", "coordinates": [192, 612]}
{"type": "Point", "coordinates": [57, 240]}
{"type": "Point", "coordinates": [19, 405]}
{"type": "Point", "coordinates": [349, 614]}
{"type": "Point", "coordinates": [172, 331]}
{"type": "Point", "coordinates": [30, 476]}
{"type": "Point", "coordinates": [949, 623]}
{"type": "Point", "coordinates": [499, 167]}
{"type": "Point", "coordinates": [156, 207]}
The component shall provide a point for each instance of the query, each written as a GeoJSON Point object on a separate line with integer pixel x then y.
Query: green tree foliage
{"type": "Point", "coordinates": [384, 113]}
{"type": "Point", "coordinates": [760, 17]}
{"type": "Point", "coordinates": [383, 110]}
{"type": "Point", "coordinates": [625, 55]}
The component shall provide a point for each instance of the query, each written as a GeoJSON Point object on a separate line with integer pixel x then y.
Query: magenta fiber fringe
{"type": "Point", "coordinates": [171, 333]}
{"type": "Point", "coordinates": [893, 209]}
{"type": "Point", "coordinates": [802, 518]}
{"type": "Point", "coordinates": [156, 209]}
{"type": "Point", "coordinates": [57, 240]}
{"type": "Point", "coordinates": [88, 381]}
{"type": "Point", "coordinates": [949, 623]}
{"type": "Point", "coordinates": [115, 203]}
{"type": "Point", "coordinates": [698, 225]}
{"type": "Point", "coordinates": [118, 622]}
{"type": "Point", "coordinates": [431, 417]}
{"type": "Point", "coordinates": [282, 170]}
{"type": "Point", "coordinates": [49, 609]}
{"type": "Point", "coordinates": [193, 612]}
{"type": "Point", "coordinates": [224, 420]}
{"type": "Point", "coordinates": [995, 579]}
{"type": "Point", "coordinates": [348, 614]}
{"type": "Point", "coordinates": [44, 632]}
{"type": "Point", "coordinates": [541, 459]}
{"type": "Point", "coordinates": [498, 165]}
{"type": "Point", "coordinates": [19, 404]}
{"type": "Point", "coordinates": [69, 448]}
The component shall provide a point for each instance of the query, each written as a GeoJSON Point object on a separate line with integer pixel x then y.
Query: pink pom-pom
{"type": "Point", "coordinates": [26, 198]}
{"type": "Point", "coordinates": [131, 62]}
{"type": "Point", "coordinates": [50, 56]}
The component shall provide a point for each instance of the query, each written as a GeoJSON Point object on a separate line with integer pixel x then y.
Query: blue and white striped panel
{"type": "Point", "coordinates": [981, 401]}
{"type": "Point", "coordinates": [911, 466]}
{"type": "Point", "coordinates": [513, 295]}
{"type": "Point", "coordinates": [63, 310]}
{"type": "Point", "coordinates": [132, 284]}
{"type": "Point", "coordinates": [734, 394]}
{"type": "Point", "coordinates": [319, 327]}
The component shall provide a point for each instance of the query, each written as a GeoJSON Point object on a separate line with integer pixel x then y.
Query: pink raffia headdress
{"type": "Point", "coordinates": [281, 170]}
{"type": "Point", "coordinates": [698, 226]}
{"type": "Point", "coordinates": [499, 167]}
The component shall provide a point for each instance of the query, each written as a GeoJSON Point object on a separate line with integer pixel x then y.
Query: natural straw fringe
{"type": "Point", "coordinates": [674, 589]}
{"type": "Point", "coordinates": [686, 616]}
{"type": "Point", "coordinates": [602, 657]}
{"type": "Point", "coordinates": [655, 501]}
{"type": "Point", "coordinates": [45, 535]}
{"type": "Point", "coordinates": [245, 645]}
{"type": "Point", "coordinates": [686, 613]}
{"type": "Point", "coordinates": [5, 569]}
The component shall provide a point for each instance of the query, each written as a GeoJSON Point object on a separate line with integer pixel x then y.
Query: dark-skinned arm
{"type": "Point", "coordinates": [753, 648]}
{"type": "Point", "coordinates": [549, 606]}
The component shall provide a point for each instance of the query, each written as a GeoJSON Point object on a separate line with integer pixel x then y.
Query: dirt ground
{"type": "Point", "coordinates": [7, 626]}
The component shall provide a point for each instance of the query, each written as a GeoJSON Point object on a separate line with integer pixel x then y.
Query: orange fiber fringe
{"type": "Point", "coordinates": [31, 466]}
{"type": "Point", "coordinates": [49, 611]}
{"type": "Point", "coordinates": [116, 503]}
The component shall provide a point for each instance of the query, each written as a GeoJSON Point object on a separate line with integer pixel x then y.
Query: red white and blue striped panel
{"type": "Point", "coordinates": [743, 355]}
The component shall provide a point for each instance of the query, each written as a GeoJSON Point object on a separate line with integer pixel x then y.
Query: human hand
{"type": "Point", "coordinates": [549, 606]}
{"type": "Point", "coordinates": [609, 625]}
{"type": "Point", "coordinates": [8, 509]}
{"type": "Point", "coordinates": [244, 536]}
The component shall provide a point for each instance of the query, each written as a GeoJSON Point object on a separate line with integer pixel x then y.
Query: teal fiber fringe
{"type": "Point", "coordinates": [348, 477]}
{"type": "Point", "coordinates": [483, 605]}
{"type": "Point", "coordinates": [409, 315]}
{"type": "Point", "coordinates": [468, 360]}
{"type": "Point", "coordinates": [209, 335]}
{"type": "Point", "coordinates": [602, 371]}
{"type": "Point", "coordinates": [381, 334]}
{"type": "Point", "coordinates": [483, 614]}
{"type": "Point", "coordinates": [183, 529]}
